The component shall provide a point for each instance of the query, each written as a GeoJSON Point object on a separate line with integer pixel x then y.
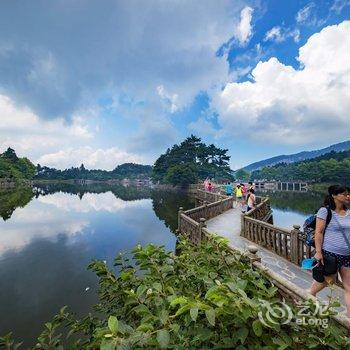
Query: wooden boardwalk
{"type": "Point", "coordinates": [228, 225]}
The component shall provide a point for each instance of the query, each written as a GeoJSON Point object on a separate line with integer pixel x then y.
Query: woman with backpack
{"type": "Point", "coordinates": [332, 242]}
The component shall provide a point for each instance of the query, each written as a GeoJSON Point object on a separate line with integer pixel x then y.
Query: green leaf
{"type": "Point", "coordinates": [157, 286]}
{"type": "Point", "coordinates": [163, 338]}
{"type": "Point", "coordinates": [145, 327]}
{"type": "Point", "coordinates": [113, 324]}
{"type": "Point", "coordinates": [164, 316]}
{"type": "Point", "coordinates": [242, 334]}
{"type": "Point", "coordinates": [107, 344]}
{"type": "Point", "coordinates": [141, 289]}
{"type": "Point", "coordinates": [194, 313]}
{"type": "Point", "coordinates": [125, 275]}
{"type": "Point", "coordinates": [179, 300]}
{"type": "Point", "coordinates": [183, 309]}
{"type": "Point", "coordinates": [232, 286]}
{"type": "Point", "coordinates": [210, 314]}
{"type": "Point", "coordinates": [213, 275]}
{"type": "Point", "coordinates": [257, 328]}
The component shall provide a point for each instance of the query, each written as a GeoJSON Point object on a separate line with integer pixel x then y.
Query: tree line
{"type": "Point", "coordinates": [127, 170]}
{"type": "Point", "coordinates": [330, 167]}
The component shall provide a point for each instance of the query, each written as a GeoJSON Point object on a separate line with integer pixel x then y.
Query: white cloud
{"type": "Point", "coordinates": [37, 221]}
{"type": "Point", "coordinates": [202, 126]}
{"type": "Point", "coordinates": [244, 30]}
{"type": "Point", "coordinates": [304, 13]}
{"type": "Point", "coordinates": [123, 47]}
{"type": "Point", "coordinates": [286, 105]}
{"type": "Point", "coordinates": [170, 99]}
{"type": "Point", "coordinates": [92, 158]}
{"type": "Point", "coordinates": [279, 34]}
{"type": "Point", "coordinates": [55, 142]}
{"type": "Point", "coordinates": [25, 131]}
{"type": "Point", "coordinates": [152, 54]}
{"type": "Point", "coordinates": [338, 5]}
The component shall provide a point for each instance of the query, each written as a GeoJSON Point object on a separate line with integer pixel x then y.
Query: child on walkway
{"type": "Point", "coordinates": [239, 196]}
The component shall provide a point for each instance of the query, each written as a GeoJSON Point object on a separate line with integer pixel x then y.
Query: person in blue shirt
{"type": "Point", "coordinates": [229, 189]}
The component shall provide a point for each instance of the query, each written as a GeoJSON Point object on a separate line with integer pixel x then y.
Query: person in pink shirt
{"type": "Point", "coordinates": [206, 184]}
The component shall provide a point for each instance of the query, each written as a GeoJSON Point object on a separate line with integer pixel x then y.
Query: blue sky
{"type": "Point", "coordinates": [103, 83]}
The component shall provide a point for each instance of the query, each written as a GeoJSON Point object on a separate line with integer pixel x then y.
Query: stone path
{"type": "Point", "coordinates": [228, 225]}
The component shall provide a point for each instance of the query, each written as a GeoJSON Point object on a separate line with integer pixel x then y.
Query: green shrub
{"type": "Point", "coordinates": [205, 297]}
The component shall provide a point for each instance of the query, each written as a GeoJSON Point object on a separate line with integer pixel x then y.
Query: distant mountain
{"type": "Point", "coordinates": [297, 157]}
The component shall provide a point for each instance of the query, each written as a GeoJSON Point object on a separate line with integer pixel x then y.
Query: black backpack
{"type": "Point", "coordinates": [310, 225]}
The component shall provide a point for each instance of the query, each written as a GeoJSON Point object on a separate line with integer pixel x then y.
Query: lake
{"type": "Point", "coordinates": [49, 234]}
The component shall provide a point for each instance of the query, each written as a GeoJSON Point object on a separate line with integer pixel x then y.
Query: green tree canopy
{"type": "Point", "coordinates": [192, 160]}
{"type": "Point", "coordinates": [15, 168]}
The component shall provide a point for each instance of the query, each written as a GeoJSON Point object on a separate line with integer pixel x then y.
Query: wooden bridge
{"type": "Point", "coordinates": [280, 251]}
{"type": "Point", "coordinates": [295, 186]}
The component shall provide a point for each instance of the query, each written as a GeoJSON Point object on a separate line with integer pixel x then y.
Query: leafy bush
{"type": "Point", "coordinates": [205, 297]}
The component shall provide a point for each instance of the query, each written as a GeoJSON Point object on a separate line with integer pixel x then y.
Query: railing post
{"type": "Point", "coordinates": [294, 244]}
{"type": "Point", "coordinates": [202, 224]}
{"type": "Point", "coordinates": [181, 209]}
{"type": "Point", "coordinates": [252, 249]}
{"type": "Point", "coordinates": [205, 203]}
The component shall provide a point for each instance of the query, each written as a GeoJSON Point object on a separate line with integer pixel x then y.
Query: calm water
{"type": "Point", "coordinates": [47, 239]}
{"type": "Point", "coordinates": [292, 208]}
{"type": "Point", "coordinates": [49, 235]}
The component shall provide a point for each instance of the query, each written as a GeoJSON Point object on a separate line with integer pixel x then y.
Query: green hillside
{"type": "Point", "coordinates": [329, 167]}
{"type": "Point", "coordinates": [298, 157]}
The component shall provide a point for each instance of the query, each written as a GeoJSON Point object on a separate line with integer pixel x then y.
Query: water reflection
{"type": "Point", "coordinates": [292, 208]}
{"type": "Point", "coordinates": [51, 232]}
{"type": "Point", "coordinates": [10, 199]}
{"type": "Point", "coordinates": [302, 202]}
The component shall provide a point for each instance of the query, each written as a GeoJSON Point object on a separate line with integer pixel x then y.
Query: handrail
{"type": "Point", "coordinates": [266, 224]}
{"type": "Point", "coordinates": [289, 244]}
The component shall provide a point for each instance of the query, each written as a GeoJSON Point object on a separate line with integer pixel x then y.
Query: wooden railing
{"type": "Point", "coordinates": [209, 197]}
{"type": "Point", "coordinates": [289, 244]}
{"type": "Point", "coordinates": [191, 223]}
{"type": "Point", "coordinates": [256, 225]}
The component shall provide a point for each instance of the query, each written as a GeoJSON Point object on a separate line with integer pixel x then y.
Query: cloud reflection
{"type": "Point", "coordinates": [91, 202]}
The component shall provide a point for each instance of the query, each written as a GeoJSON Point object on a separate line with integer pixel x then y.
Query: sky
{"type": "Point", "coordinates": [114, 81]}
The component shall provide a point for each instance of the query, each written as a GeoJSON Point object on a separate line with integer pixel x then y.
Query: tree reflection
{"type": "Point", "coordinates": [126, 193]}
{"type": "Point", "coordinates": [302, 202]}
{"type": "Point", "coordinates": [12, 198]}
{"type": "Point", "coordinates": [19, 197]}
{"type": "Point", "coordinates": [166, 205]}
